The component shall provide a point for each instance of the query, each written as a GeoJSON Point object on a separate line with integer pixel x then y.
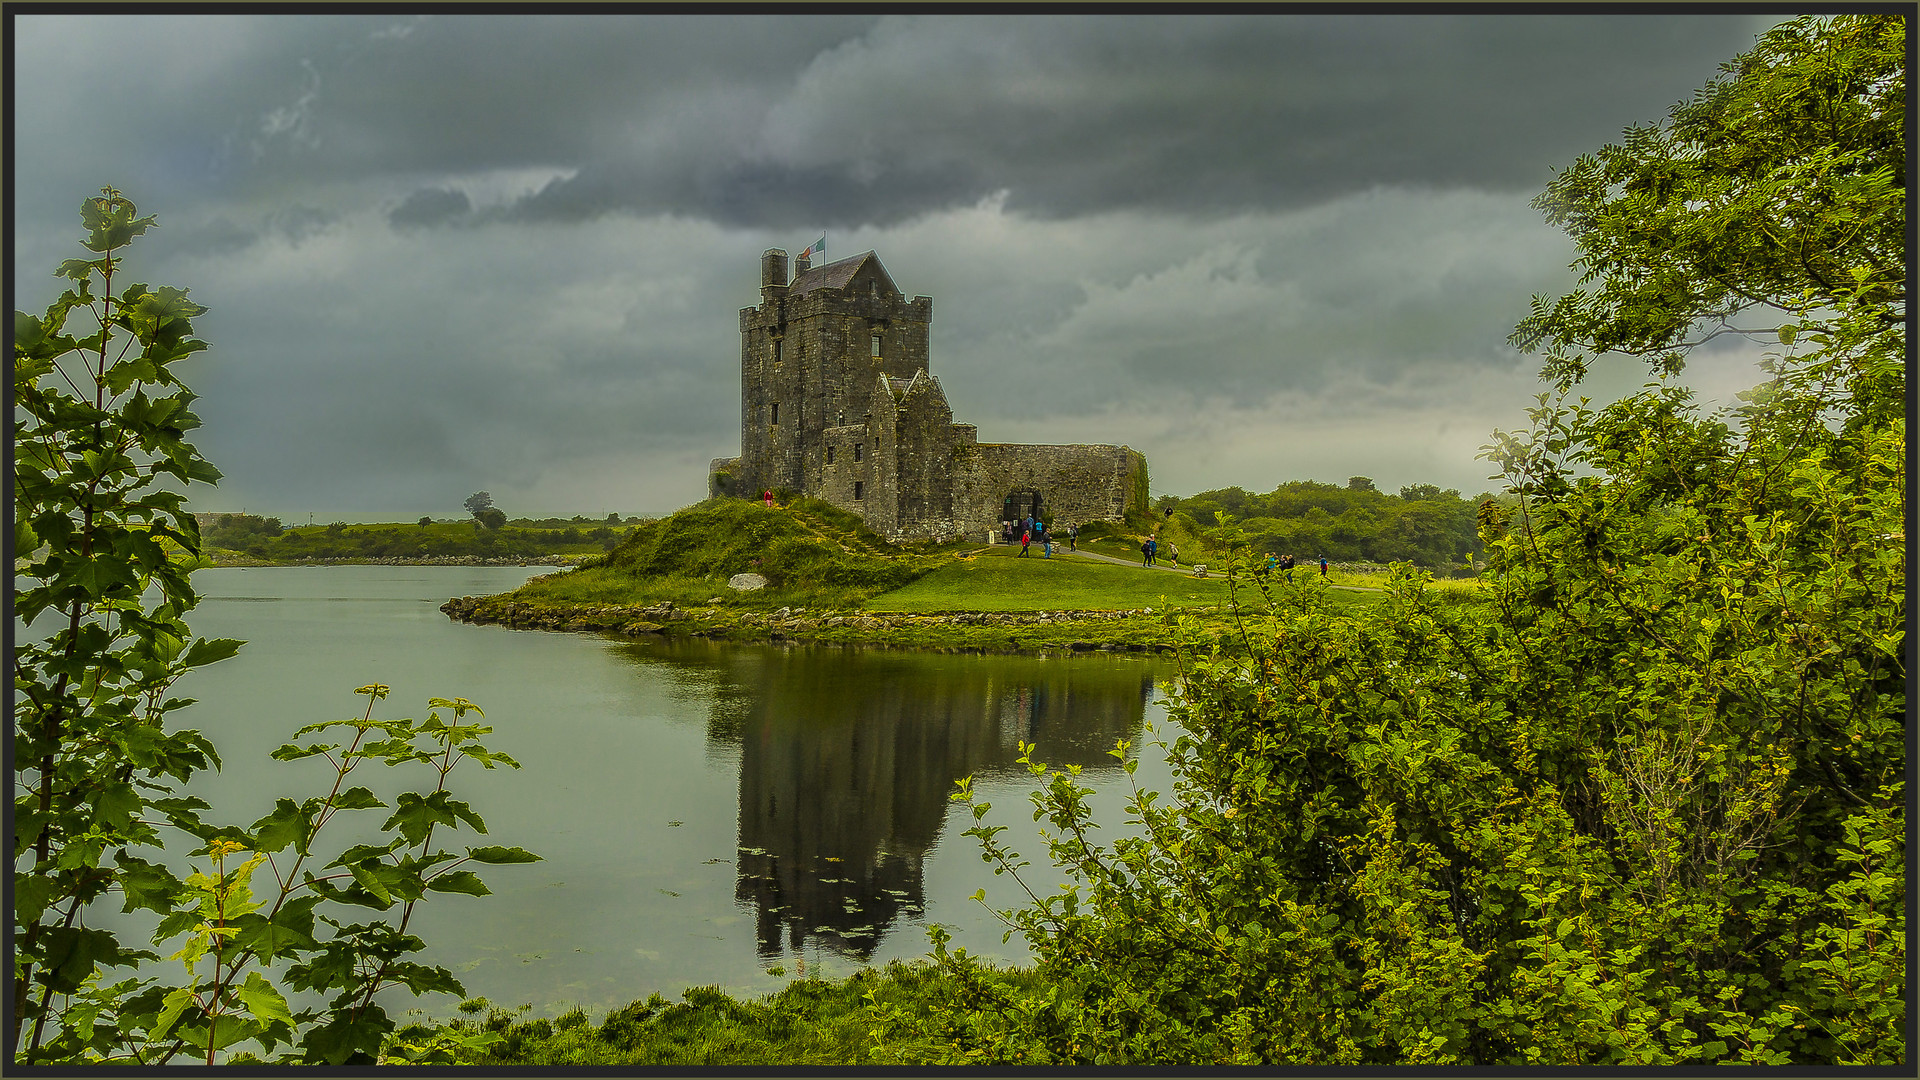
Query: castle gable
{"type": "Point", "coordinates": [923, 387]}
{"type": "Point", "coordinates": [838, 275]}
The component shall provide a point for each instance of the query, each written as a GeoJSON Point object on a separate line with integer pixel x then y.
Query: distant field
{"type": "Point", "coordinates": [997, 582]}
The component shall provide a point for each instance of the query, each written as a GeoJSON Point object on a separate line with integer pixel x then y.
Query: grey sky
{"type": "Point", "coordinates": [453, 252]}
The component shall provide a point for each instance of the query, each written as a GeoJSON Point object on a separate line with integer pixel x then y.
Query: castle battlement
{"type": "Point", "coordinates": [838, 401]}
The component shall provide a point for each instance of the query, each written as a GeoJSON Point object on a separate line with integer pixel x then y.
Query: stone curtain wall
{"type": "Point", "coordinates": [1077, 484]}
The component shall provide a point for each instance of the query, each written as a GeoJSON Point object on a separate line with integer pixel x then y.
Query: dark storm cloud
{"type": "Point", "coordinates": [1256, 247]}
{"type": "Point", "coordinates": [1206, 115]}
{"type": "Point", "coordinates": [838, 121]}
{"type": "Point", "coordinates": [429, 206]}
{"type": "Point", "coordinates": [759, 194]}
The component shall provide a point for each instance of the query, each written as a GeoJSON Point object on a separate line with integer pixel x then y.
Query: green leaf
{"type": "Point", "coordinates": [143, 884]}
{"type": "Point", "coordinates": [287, 824]}
{"type": "Point", "coordinates": [358, 798]}
{"type": "Point", "coordinates": [290, 752]}
{"type": "Point", "coordinates": [115, 806]}
{"type": "Point", "coordinates": [177, 1003]}
{"type": "Point", "coordinates": [210, 650]}
{"type": "Point", "coordinates": [73, 952]}
{"type": "Point", "coordinates": [501, 855]}
{"type": "Point", "coordinates": [31, 895]}
{"type": "Point", "coordinates": [100, 575]}
{"type": "Point", "coordinates": [460, 881]}
{"type": "Point", "coordinates": [342, 1038]}
{"type": "Point", "coordinates": [263, 1000]}
{"type": "Point", "coordinates": [371, 883]}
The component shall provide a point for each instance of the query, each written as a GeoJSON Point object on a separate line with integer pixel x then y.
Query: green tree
{"type": "Point", "coordinates": [491, 517]}
{"type": "Point", "coordinates": [101, 420]}
{"type": "Point", "coordinates": [1646, 807]}
{"type": "Point", "coordinates": [478, 503]}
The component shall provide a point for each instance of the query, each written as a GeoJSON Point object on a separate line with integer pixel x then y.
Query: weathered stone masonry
{"type": "Point", "coordinates": [837, 401]}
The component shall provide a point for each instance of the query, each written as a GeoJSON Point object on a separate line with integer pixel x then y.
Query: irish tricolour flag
{"type": "Point", "coordinates": [818, 247]}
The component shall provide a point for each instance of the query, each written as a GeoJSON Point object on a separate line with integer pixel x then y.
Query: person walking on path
{"type": "Point", "coordinates": [1046, 540]}
{"type": "Point", "coordinates": [1073, 537]}
{"type": "Point", "coordinates": [1323, 568]}
{"type": "Point", "coordinates": [1173, 554]}
{"type": "Point", "coordinates": [1026, 538]}
{"type": "Point", "coordinates": [1286, 564]}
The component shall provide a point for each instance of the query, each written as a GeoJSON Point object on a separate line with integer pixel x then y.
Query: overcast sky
{"type": "Point", "coordinates": [454, 252]}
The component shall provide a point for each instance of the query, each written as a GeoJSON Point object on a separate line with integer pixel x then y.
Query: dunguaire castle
{"type": "Point", "coordinates": [837, 402]}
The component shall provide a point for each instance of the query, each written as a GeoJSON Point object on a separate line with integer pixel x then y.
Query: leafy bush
{"type": "Point", "coordinates": [1643, 807]}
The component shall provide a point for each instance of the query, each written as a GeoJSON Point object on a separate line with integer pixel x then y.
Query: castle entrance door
{"type": "Point", "coordinates": [1020, 504]}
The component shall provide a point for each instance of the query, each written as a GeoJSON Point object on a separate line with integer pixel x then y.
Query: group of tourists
{"type": "Point", "coordinates": [1150, 552]}
{"type": "Point", "coordinates": [1030, 530]}
{"type": "Point", "coordinates": [1285, 563]}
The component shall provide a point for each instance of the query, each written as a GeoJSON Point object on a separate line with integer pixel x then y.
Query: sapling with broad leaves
{"type": "Point", "coordinates": [100, 425]}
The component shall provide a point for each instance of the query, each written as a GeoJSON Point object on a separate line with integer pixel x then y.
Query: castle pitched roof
{"type": "Point", "coordinates": [835, 275]}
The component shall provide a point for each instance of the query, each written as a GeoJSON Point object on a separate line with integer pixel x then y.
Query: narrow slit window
{"type": "Point", "coordinates": [859, 489]}
{"type": "Point", "coordinates": [876, 346]}
{"type": "Point", "coordinates": [859, 451]}
{"type": "Point", "coordinates": [779, 347]}
{"type": "Point", "coordinates": [829, 455]}
{"type": "Point", "coordinates": [773, 414]}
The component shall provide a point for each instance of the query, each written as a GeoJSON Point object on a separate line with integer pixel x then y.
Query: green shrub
{"type": "Point", "coordinates": [1644, 806]}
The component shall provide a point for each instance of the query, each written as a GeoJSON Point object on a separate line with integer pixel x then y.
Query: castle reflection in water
{"type": "Point", "coordinates": [848, 758]}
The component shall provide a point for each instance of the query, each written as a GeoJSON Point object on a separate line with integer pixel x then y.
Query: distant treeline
{"type": "Point", "coordinates": [1423, 524]}
{"type": "Point", "coordinates": [267, 538]}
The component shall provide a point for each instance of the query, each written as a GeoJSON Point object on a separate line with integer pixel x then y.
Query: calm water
{"type": "Point", "coordinates": [705, 811]}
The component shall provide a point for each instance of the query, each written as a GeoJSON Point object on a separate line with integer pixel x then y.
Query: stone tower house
{"type": "Point", "coordinates": [837, 401]}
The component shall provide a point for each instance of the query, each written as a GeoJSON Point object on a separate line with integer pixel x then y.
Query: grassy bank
{"type": "Point", "coordinates": [832, 581]}
{"type": "Point", "coordinates": [247, 540]}
{"type": "Point", "coordinates": [810, 1023]}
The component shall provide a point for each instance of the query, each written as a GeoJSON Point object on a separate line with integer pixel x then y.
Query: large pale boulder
{"type": "Point", "coordinates": [746, 582]}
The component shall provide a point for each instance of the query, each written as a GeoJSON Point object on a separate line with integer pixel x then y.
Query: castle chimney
{"type": "Point", "coordinates": [773, 267]}
{"type": "Point", "coordinates": [801, 264]}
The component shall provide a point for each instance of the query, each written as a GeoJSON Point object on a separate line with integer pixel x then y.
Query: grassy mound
{"type": "Point", "coordinates": [811, 553]}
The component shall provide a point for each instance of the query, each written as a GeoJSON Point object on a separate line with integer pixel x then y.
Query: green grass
{"type": "Point", "coordinates": [810, 1023]}
{"type": "Point", "coordinates": [1000, 581]}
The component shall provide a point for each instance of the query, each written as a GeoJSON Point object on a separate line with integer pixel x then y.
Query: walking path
{"type": "Point", "coordinates": [1061, 551]}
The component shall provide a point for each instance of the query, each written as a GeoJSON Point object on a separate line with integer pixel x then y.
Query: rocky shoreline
{"type": "Point", "coordinates": [1041, 630]}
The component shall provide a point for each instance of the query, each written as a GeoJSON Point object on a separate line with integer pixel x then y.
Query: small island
{"type": "Point", "coordinates": [830, 580]}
